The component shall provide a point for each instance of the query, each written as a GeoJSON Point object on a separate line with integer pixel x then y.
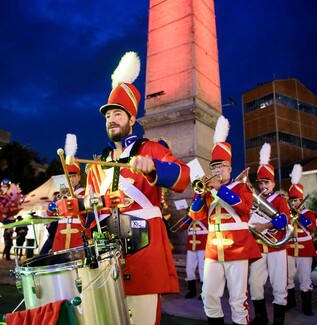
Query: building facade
{"type": "Point", "coordinates": [182, 95]}
{"type": "Point", "coordinates": [284, 114]}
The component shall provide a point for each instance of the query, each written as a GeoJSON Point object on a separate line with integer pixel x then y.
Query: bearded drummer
{"type": "Point", "coordinates": [69, 230]}
{"type": "Point", "coordinates": [301, 249]}
{"type": "Point", "coordinates": [131, 197]}
{"type": "Point", "coordinates": [273, 263]}
{"type": "Point", "coordinates": [230, 246]}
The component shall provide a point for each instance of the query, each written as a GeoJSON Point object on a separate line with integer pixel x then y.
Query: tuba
{"type": "Point", "coordinates": [263, 210]}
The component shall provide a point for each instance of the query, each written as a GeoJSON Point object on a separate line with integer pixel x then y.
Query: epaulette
{"type": "Point", "coordinates": [164, 142]}
{"type": "Point", "coordinates": [282, 193]}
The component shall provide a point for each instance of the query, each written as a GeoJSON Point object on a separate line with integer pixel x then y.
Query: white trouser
{"type": "Point", "coordinates": [301, 265]}
{"type": "Point", "coordinates": [216, 274]}
{"type": "Point", "coordinates": [274, 266]}
{"type": "Point", "coordinates": [143, 308]}
{"type": "Point", "coordinates": [194, 259]}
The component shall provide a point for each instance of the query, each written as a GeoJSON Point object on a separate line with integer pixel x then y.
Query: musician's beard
{"type": "Point", "coordinates": [120, 132]}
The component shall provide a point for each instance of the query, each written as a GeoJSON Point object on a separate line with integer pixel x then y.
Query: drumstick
{"type": "Point", "coordinates": [60, 152]}
{"type": "Point", "coordinates": [104, 163]}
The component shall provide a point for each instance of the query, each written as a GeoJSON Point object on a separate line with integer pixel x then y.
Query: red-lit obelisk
{"type": "Point", "coordinates": [182, 97]}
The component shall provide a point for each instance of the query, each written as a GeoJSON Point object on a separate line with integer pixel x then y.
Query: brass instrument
{"type": "Point", "coordinates": [295, 213]}
{"type": "Point", "coordinates": [200, 186]}
{"type": "Point", "coordinates": [265, 210]}
{"type": "Point", "coordinates": [178, 225]}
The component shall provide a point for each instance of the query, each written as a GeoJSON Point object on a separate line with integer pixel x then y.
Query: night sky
{"type": "Point", "coordinates": [57, 57]}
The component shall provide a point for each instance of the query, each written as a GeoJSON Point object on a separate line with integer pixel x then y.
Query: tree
{"type": "Point", "coordinates": [55, 168]}
{"type": "Point", "coordinates": [312, 201]}
{"type": "Point", "coordinates": [17, 164]}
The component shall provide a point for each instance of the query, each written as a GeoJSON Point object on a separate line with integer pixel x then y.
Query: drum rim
{"type": "Point", "coordinates": [53, 268]}
{"type": "Point", "coordinates": [63, 266]}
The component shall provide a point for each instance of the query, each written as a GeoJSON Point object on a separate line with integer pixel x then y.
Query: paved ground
{"type": "Point", "coordinates": [175, 311]}
{"type": "Point", "coordinates": [192, 309]}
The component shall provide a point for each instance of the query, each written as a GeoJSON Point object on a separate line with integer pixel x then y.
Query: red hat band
{"type": "Point", "coordinates": [265, 171]}
{"type": "Point", "coordinates": [73, 169]}
{"type": "Point", "coordinates": [221, 151]}
{"type": "Point", "coordinates": [125, 96]}
{"type": "Point", "coordinates": [296, 191]}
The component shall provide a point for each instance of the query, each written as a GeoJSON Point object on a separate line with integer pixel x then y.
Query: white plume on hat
{"type": "Point", "coordinates": [127, 70]}
{"type": "Point", "coordinates": [221, 130]}
{"type": "Point", "coordinates": [296, 174]}
{"type": "Point", "coordinates": [265, 154]}
{"type": "Point", "coordinates": [70, 147]}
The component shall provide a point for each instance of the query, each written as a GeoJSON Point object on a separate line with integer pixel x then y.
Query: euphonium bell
{"type": "Point", "coordinates": [263, 209]}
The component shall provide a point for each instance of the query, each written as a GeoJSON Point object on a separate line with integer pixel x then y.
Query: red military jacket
{"type": "Point", "coordinates": [197, 235]}
{"type": "Point", "coordinates": [229, 238]}
{"type": "Point", "coordinates": [279, 202]}
{"type": "Point", "coordinates": [151, 269]}
{"type": "Point", "coordinates": [302, 242]}
{"type": "Point", "coordinates": [69, 230]}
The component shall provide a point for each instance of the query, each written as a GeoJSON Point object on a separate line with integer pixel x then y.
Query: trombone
{"type": "Point", "coordinates": [199, 186]}
{"type": "Point", "coordinates": [295, 213]}
{"type": "Point", "coordinates": [178, 225]}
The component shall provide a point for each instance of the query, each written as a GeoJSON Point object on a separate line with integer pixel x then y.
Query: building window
{"type": "Point", "coordinates": [307, 108]}
{"type": "Point", "coordinates": [284, 137]}
{"type": "Point", "coordinates": [282, 100]}
{"type": "Point", "coordinates": [259, 103]}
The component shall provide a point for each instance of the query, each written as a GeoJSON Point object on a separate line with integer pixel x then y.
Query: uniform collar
{"type": "Point", "coordinates": [77, 187]}
{"type": "Point", "coordinates": [229, 182]}
{"type": "Point", "coordinates": [125, 141]}
{"type": "Point", "coordinates": [270, 194]}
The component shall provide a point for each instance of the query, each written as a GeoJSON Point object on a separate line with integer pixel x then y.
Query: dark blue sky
{"type": "Point", "coordinates": [56, 59]}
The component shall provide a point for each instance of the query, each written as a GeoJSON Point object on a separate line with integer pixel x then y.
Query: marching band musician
{"type": "Point", "coordinates": [273, 263]}
{"type": "Point", "coordinates": [148, 269]}
{"type": "Point", "coordinates": [301, 249]}
{"type": "Point", "coordinates": [226, 204]}
{"type": "Point", "coordinates": [197, 232]}
{"type": "Point", "coordinates": [69, 230]}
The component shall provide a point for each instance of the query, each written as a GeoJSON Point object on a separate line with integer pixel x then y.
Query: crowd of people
{"type": "Point", "coordinates": [11, 200]}
{"type": "Point", "coordinates": [220, 243]}
{"type": "Point", "coordinates": [19, 237]}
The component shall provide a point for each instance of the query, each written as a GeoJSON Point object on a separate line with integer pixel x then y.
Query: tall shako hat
{"type": "Point", "coordinates": [73, 169]}
{"type": "Point", "coordinates": [124, 95]}
{"type": "Point", "coordinates": [70, 151]}
{"type": "Point", "coordinates": [221, 150]}
{"type": "Point", "coordinates": [296, 190]}
{"type": "Point", "coordinates": [265, 170]}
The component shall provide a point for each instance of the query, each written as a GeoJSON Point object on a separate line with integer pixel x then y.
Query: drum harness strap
{"type": "Point", "coordinates": [136, 220]}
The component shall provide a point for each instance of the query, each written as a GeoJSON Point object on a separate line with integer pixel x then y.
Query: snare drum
{"type": "Point", "coordinates": [64, 275]}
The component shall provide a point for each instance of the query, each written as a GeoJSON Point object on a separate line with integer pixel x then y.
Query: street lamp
{"type": "Point", "coordinates": [231, 102]}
